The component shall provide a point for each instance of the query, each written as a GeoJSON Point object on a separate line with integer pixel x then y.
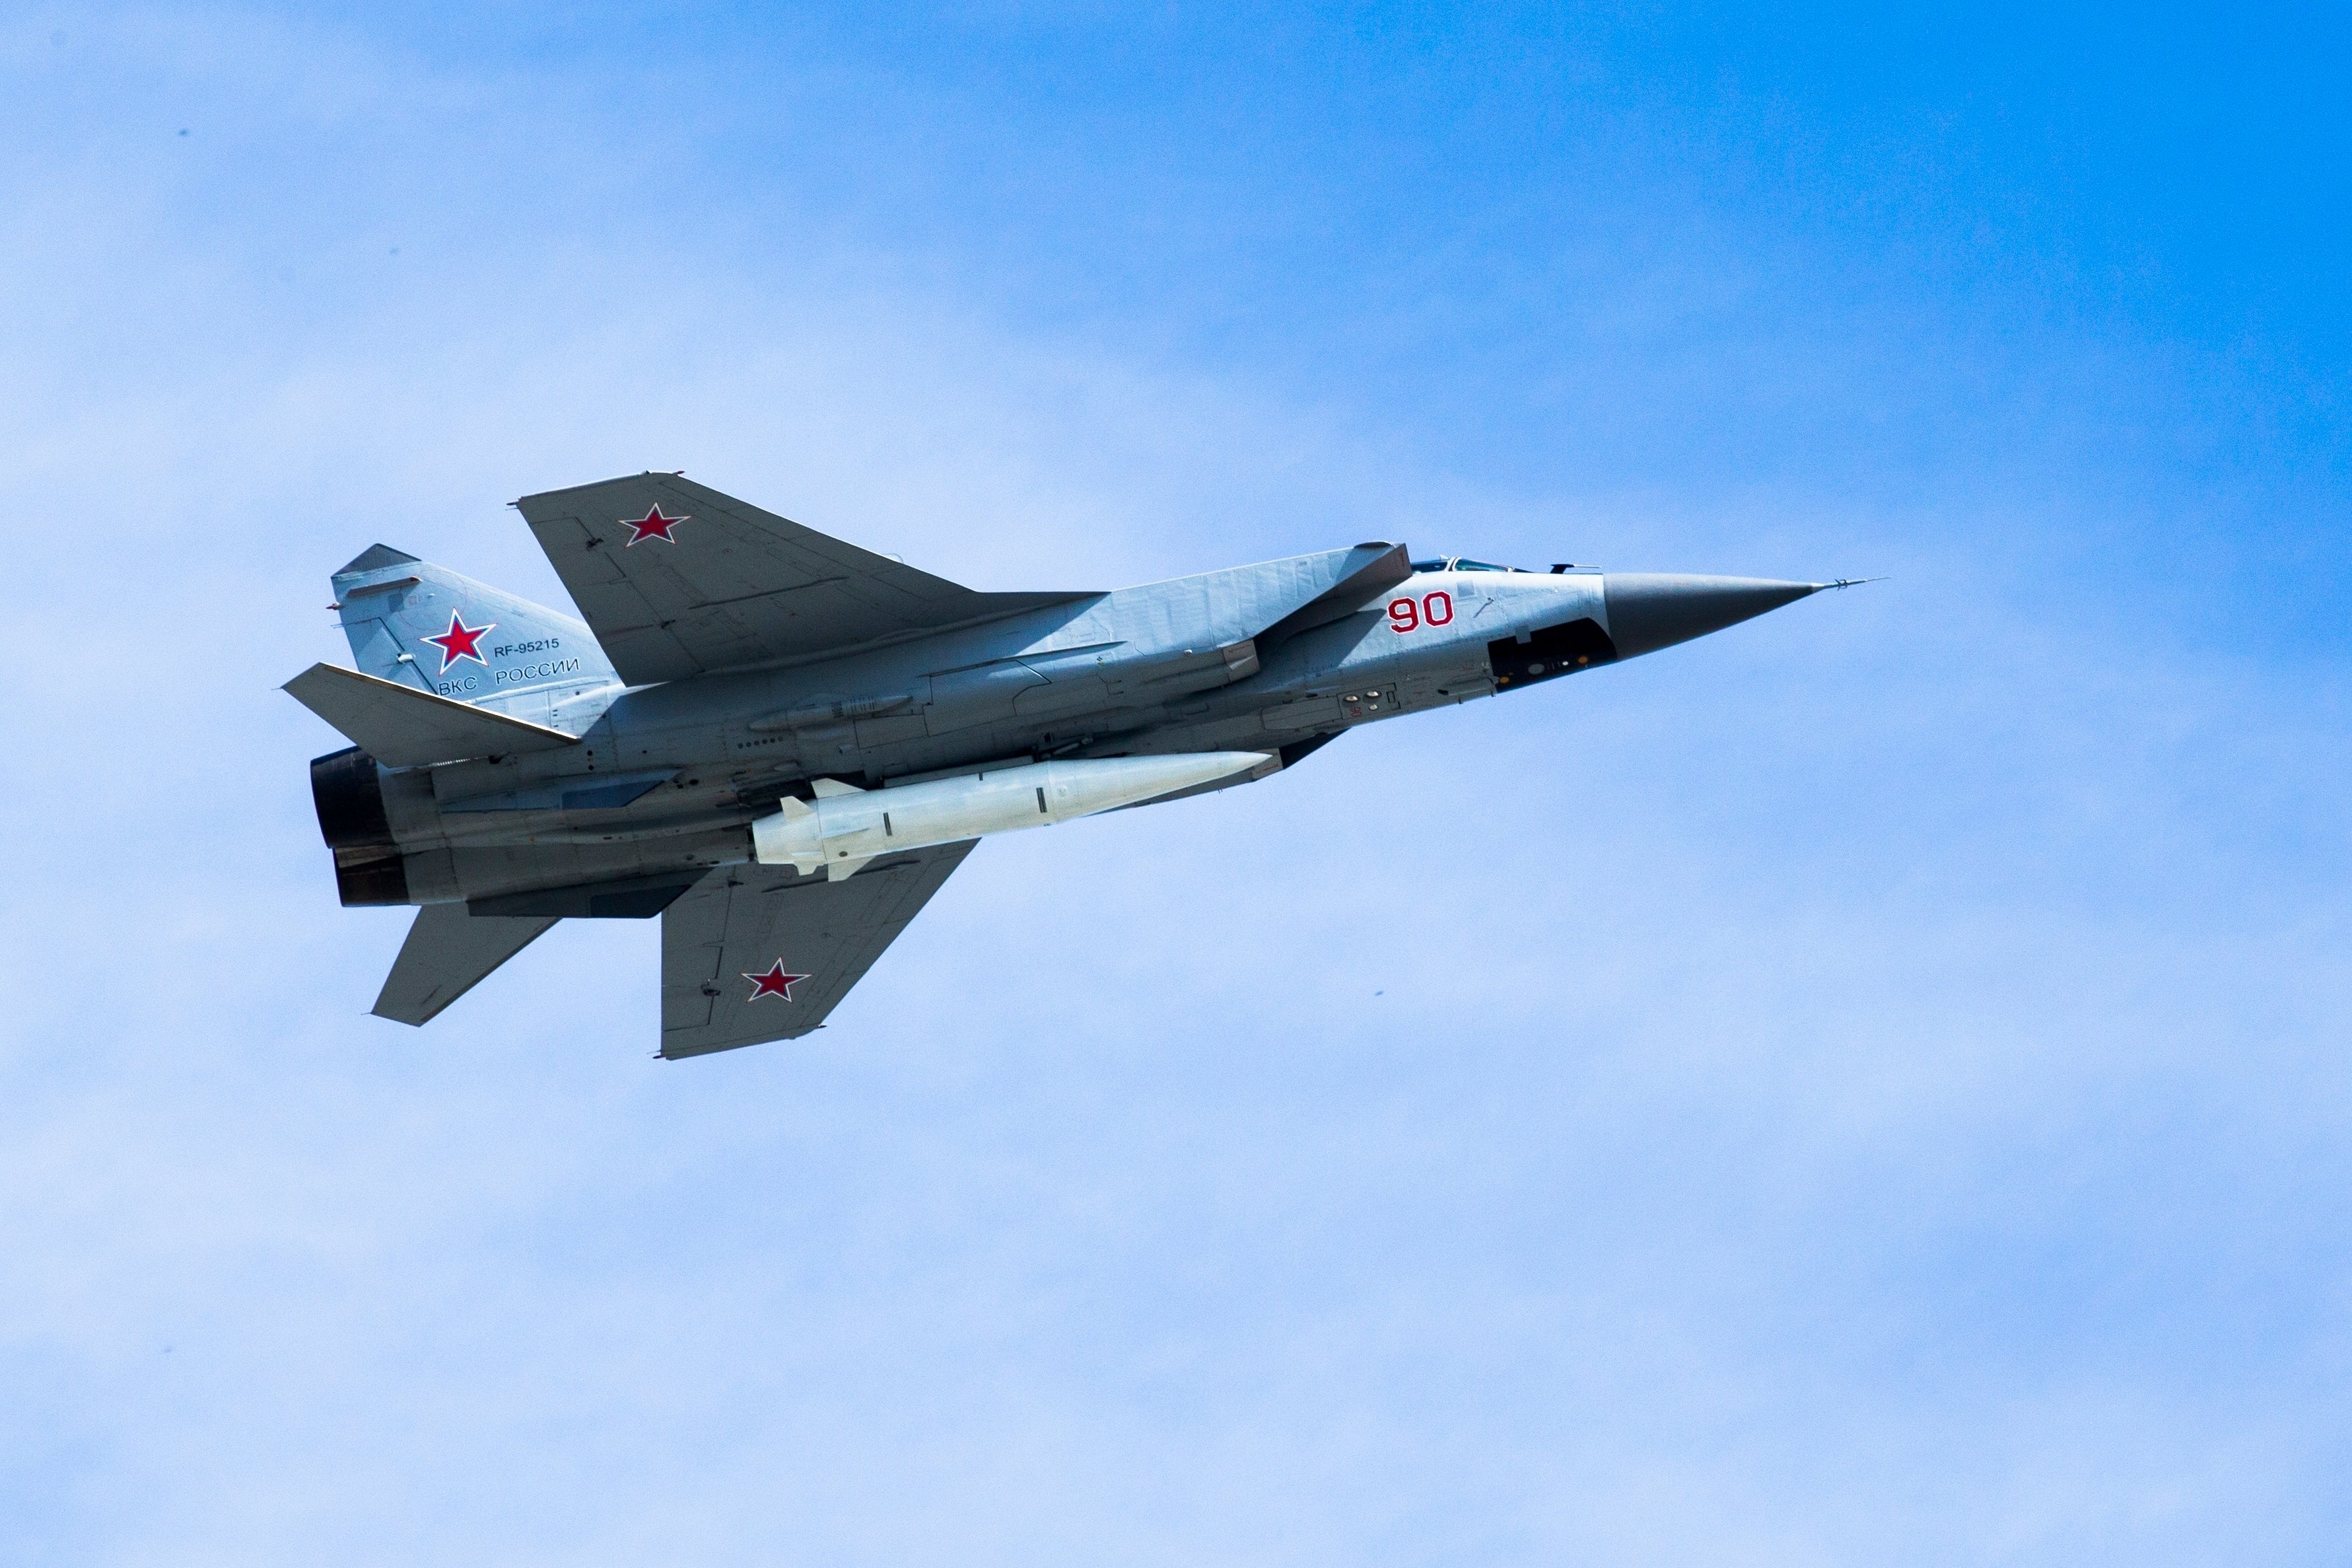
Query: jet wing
{"type": "Point", "coordinates": [678, 580]}
{"type": "Point", "coordinates": [754, 953]}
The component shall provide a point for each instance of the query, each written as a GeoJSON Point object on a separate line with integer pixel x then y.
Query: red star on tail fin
{"type": "Point", "coordinates": [775, 983]}
{"type": "Point", "coordinates": [460, 641]}
{"type": "Point", "coordinates": [652, 526]}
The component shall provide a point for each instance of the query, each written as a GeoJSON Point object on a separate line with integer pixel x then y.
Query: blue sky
{"type": "Point", "coordinates": [1867, 1087]}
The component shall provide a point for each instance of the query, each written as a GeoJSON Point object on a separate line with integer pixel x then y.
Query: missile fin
{"type": "Point", "coordinates": [824, 788]}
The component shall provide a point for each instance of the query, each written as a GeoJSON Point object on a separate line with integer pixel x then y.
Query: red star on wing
{"type": "Point", "coordinates": [775, 983]}
{"type": "Point", "coordinates": [652, 526]}
{"type": "Point", "coordinates": [458, 641]}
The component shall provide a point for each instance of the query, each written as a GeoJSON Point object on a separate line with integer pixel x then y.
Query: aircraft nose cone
{"type": "Point", "coordinates": [1650, 610]}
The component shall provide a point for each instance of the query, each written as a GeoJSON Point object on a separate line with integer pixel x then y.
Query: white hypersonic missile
{"type": "Point", "coordinates": [847, 826]}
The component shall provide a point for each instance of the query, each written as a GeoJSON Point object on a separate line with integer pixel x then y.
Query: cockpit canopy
{"type": "Point", "coordinates": [1463, 563]}
{"type": "Point", "coordinates": [1458, 563]}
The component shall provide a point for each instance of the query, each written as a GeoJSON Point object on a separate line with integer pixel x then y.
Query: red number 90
{"type": "Point", "coordinates": [1404, 615]}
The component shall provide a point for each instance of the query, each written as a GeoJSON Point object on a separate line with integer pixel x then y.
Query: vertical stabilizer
{"type": "Point", "coordinates": [427, 627]}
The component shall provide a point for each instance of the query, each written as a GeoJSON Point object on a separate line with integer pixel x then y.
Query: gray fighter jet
{"type": "Point", "coordinates": [782, 745]}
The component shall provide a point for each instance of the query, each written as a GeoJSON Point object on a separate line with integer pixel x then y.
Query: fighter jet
{"type": "Point", "coordinates": [782, 745]}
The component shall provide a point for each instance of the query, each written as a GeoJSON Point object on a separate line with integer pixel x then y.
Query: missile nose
{"type": "Point", "coordinates": [1649, 610]}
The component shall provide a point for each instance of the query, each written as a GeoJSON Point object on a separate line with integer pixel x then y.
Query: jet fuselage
{"type": "Point", "coordinates": [1115, 675]}
{"type": "Point", "coordinates": [739, 676]}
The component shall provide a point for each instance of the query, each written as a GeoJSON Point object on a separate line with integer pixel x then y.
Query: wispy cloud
{"type": "Point", "coordinates": [1865, 1086]}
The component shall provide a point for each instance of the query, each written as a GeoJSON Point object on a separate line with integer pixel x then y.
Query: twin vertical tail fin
{"type": "Point", "coordinates": [440, 640]}
{"type": "Point", "coordinates": [427, 627]}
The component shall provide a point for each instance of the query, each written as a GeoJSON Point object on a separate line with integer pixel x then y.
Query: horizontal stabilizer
{"type": "Point", "coordinates": [401, 726]}
{"type": "Point", "coordinates": [447, 953]}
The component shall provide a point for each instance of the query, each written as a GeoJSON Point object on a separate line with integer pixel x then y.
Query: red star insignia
{"type": "Point", "coordinates": [458, 641]}
{"type": "Point", "coordinates": [775, 982]}
{"type": "Point", "coordinates": [652, 526]}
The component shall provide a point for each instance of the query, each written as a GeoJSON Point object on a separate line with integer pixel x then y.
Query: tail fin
{"type": "Point", "coordinates": [447, 954]}
{"type": "Point", "coordinates": [403, 728]}
{"type": "Point", "coordinates": [425, 626]}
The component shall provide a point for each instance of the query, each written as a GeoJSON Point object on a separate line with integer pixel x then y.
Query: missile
{"type": "Point", "coordinates": [846, 827]}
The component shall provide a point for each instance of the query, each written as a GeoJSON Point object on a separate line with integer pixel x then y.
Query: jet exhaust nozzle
{"type": "Point", "coordinates": [348, 790]}
{"type": "Point", "coordinates": [846, 827]}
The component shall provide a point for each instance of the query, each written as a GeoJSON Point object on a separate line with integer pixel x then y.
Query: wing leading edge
{"type": "Point", "coordinates": [755, 952]}
{"type": "Point", "coordinates": [678, 579]}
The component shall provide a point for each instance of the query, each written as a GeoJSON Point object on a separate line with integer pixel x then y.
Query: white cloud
{"type": "Point", "coordinates": [1858, 1088]}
